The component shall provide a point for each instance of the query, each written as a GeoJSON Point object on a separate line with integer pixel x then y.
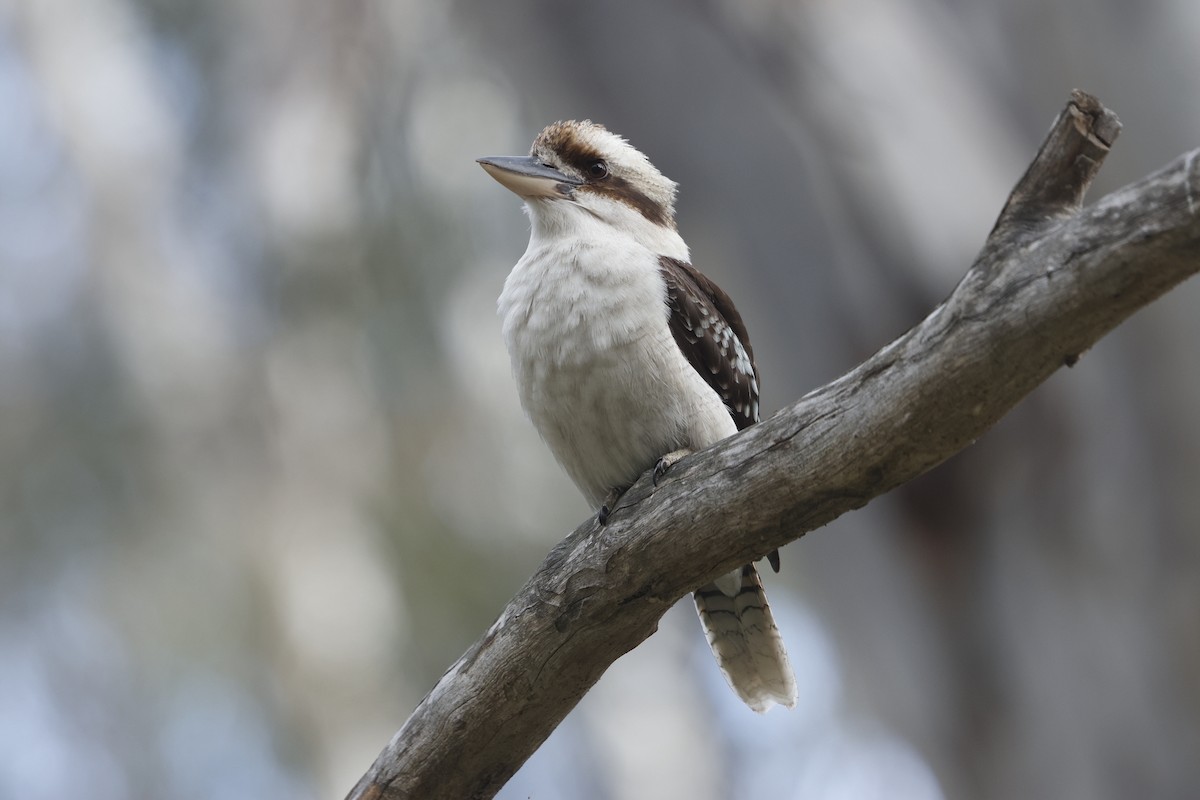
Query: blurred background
{"type": "Point", "coordinates": [263, 475]}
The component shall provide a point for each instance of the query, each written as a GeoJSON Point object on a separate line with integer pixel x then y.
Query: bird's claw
{"type": "Point", "coordinates": [610, 502]}
{"type": "Point", "coordinates": [773, 559]}
{"type": "Point", "coordinates": [666, 462]}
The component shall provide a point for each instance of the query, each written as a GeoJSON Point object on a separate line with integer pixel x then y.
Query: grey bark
{"type": "Point", "coordinates": [1051, 280]}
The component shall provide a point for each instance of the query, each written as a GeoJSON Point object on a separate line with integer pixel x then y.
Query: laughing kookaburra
{"type": "Point", "coordinates": [627, 358]}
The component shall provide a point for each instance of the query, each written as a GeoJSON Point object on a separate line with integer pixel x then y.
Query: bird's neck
{"type": "Point", "coordinates": [611, 224]}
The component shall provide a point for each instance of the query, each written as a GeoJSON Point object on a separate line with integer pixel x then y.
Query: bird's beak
{"type": "Point", "coordinates": [528, 178]}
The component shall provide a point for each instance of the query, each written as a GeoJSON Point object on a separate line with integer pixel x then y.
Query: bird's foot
{"type": "Point", "coordinates": [668, 461]}
{"type": "Point", "coordinates": [610, 502]}
{"type": "Point", "coordinates": [773, 558]}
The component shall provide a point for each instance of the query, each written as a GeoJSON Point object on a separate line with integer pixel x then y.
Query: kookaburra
{"type": "Point", "coordinates": [627, 357]}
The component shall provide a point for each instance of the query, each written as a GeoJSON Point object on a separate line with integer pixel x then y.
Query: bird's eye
{"type": "Point", "coordinates": [598, 170]}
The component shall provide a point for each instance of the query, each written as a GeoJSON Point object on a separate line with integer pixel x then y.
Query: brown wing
{"type": "Point", "coordinates": [710, 333]}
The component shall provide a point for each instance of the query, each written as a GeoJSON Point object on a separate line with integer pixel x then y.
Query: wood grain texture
{"type": "Point", "coordinates": [1050, 281]}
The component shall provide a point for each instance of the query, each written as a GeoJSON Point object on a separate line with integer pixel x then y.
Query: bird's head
{"type": "Point", "coordinates": [582, 166]}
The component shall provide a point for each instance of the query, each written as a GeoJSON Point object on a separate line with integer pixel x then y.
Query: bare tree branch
{"type": "Point", "coordinates": [1050, 281]}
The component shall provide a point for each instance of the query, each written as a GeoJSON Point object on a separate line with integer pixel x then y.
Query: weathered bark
{"type": "Point", "coordinates": [1050, 281]}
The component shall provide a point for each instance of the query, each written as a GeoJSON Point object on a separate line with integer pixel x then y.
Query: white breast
{"type": "Point", "coordinates": [585, 321]}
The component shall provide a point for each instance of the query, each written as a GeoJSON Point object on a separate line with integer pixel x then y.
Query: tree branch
{"type": "Point", "coordinates": [1050, 281]}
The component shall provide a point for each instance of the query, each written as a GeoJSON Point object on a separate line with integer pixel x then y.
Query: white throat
{"type": "Point", "coordinates": [601, 220]}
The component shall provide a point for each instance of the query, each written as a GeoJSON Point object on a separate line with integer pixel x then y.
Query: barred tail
{"type": "Point", "coordinates": [745, 641]}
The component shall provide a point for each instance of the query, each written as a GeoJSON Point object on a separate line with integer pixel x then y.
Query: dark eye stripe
{"type": "Point", "coordinates": [580, 156]}
{"type": "Point", "coordinates": [621, 190]}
